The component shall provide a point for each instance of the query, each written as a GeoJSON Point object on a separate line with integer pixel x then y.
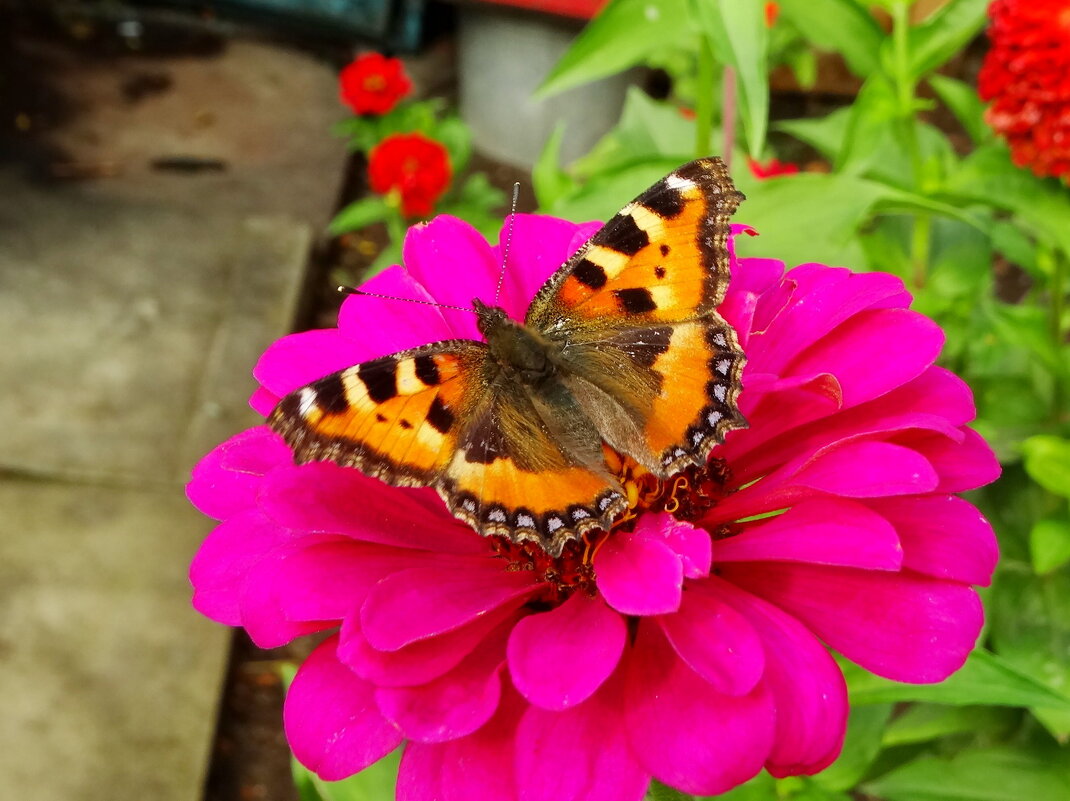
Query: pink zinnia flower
{"type": "Point", "coordinates": [689, 647]}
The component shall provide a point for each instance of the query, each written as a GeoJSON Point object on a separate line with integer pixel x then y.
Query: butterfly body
{"type": "Point", "coordinates": [622, 347]}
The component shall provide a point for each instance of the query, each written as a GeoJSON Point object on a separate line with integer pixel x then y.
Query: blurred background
{"type": "Point", "coordinates": [183, 182]}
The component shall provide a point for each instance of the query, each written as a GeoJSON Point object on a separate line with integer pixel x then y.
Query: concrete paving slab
{"type": "Point", "coordinates": [114, 291]}
{"type": "Point", "coordinates": [132, 309]}
{"type": "Point", "coordinates": [107, 677]}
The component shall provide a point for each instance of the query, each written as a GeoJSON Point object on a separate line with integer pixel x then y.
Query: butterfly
{"type": "Point", "coordinates": [621, 347]}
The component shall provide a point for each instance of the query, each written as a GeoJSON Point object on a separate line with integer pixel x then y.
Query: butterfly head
{"type": "Point", "coordinates": [489, 319]}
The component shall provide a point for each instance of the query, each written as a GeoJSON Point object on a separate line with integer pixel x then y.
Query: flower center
{"type": "Point", "coordinates": [686, 496]}
{"type": "Point", "coordinates": [374, 83]}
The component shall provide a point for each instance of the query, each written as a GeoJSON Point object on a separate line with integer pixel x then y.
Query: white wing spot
{"type": "Point", "coordinates": [722, 366]}
{"type": "Point", "coordinates": [525, 521]}
{"type": "Point", "coordinates": [713, 418]}
{"type": "Point", "coordinates": [675, 181]}
{"type": "Point", "coordinates": [579, 514]}
{"type": "Point", "coordinates": [307, 401]}
{"type": "Point", "coordinates": [720, 341]}
{"type": "Point", "coordinates": [719, 392]}
{"type": "Point", "coordinates": [554, 523]}
{"type": "Point", "coordinates": [697, 438]}
{"type": "Point", "coordinates": [469, 504]}
{"type": "Point", "coordinates": [496, 516]}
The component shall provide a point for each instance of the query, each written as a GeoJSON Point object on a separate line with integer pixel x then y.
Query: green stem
{"type": "Point", "coordinates": [704, 98]}
{"type": "Point", "coordinates": [1058, 299]}
{"type": "Point", "coordinates": [905, 87]}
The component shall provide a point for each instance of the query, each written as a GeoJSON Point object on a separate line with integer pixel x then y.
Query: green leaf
{"type": "Point", "coordinates": [359, 214]}
{"type": "Point", "coordinates": [1047, 460]}
{"type": "Point", "coordinates": [865, 730]}
{"type": "Point", "coordinates": [601, 196]}
{"type": "Point", "coordinates": [624, 33]}
{"type": "Point", "coordinates": [824, 134]}
{"type": "Point", "coordinates": [1041, 205]}
{"type": "Point", "coordinates": [964, 102]}
{"type": "Point", "coordinates": [659, 792]}
{"type": "Point", "coordinates": [991, 774]}
{"type": "Point", "coordinates": [787, 212]}
{"type": "Point", "coordinates": [1027, 328]}
{"type": "Point", "coordinates": [740, 39]}
{"type": "Point", "coordinates": [549, 181]}
{"type": "Point", "coordinates": [945, 33]}
{"type": "Point", "coordinates": [648, 129]}
{"type": "Point", "coordinates": [1030, 624]}
{"type": "Point", "coordinates": [985, 679]}
{"type": "Point", "coordinates": [923, 722]}
{"type": "Point", "coordinates": [456, 137]}
{"type": "Point", "coordinates": [1049, 542]}
{"type": "Point", "coordinates": [843, 26]}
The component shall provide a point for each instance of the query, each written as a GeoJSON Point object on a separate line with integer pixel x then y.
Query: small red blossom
{"type": "Point", "coordinates": [416, 167]}
{"type": "Point", "coordinates": [772, 11]}
{"type": "Point", "coordinates": [373, 83]}
{"type": "Point", "coordinates": [1026, 78]}
{"type": "Point", "coordinates": [771, 168]}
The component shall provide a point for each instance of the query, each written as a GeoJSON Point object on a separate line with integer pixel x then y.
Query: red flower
{"type": "Point", "coordinates": [373, 83]}
{"type": "Point", "coordinates": [772, 11]}
{"type": "Point", "coordinates": [1026, 76]}
{"type": "Point", "coordinates": [416, 167]}
{"type": "Point", "coordinates": [771, 168]}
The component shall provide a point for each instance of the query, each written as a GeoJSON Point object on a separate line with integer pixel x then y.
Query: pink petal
{"type": "Point", "coordinates": [323, 497]}
{"type": "Point", "coordinates": [684, 732]}
{"type": "Point", "coordinates": [326, 579]}
{"type": "Point", "coordinates": [904, 344]}
{"type": "Point", "coordinates": [452, 705]}
{"type": "Point", "coordinates": [750, 278]}
{"type": "Point", "coordinates": [716, 642]}
{"type": "Point", "coordinates": [822, 299]}
{"type": "Point", "coordinates": [901, 626]}
{"type": "Point", "coordinates": [224, 559]}
{"type": "Point", "coordinates": [264, 594]}
{"type": "Point", "coordinates": [380, 326]}
{"type": "Point", "coordinates": [692, 544]}
{"type": "Point", "coordinates": [262, 401]}
{"type": "Point", "coordinates": [228, 479]}
{"type": "Point", "coordinates": [474, 767]}
{"type": "Point", "coordinates": [421, 661]}
{"type": "Point", "coordinates": [539, 245]}
{"type": "Point", "coordinates": [582, 633]}
{"type": "Point", "coordinates": [943, 536]}
{"type": "Point", "coordinates": [332, 722]}
{"type": "Point", "coordinates": [581, 754]}
{"type": "Point", "coordinates": [424, 602]}
{"type": "Point", "coordinates": [937, 391]}
{"type": "Point", "coordinates": [962, 466]}
{"type": "Point", "coordinates": [826, 531]}
{"type": "Point", "coordinates": [639, 575]}
{"type": "Point", "coordinates": [455, 264]}
{"type": "Point", "coordinates": [299, 359]}
{"type": "Point", "coordinates": [854, 470]}
{"type": "Point", "coordinates": [807, 685]}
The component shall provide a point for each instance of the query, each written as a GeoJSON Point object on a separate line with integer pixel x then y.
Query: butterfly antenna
{"type": "Point", "coordinates": [348, 290]}
{"type": "Point", "coordinates": [508, 241]}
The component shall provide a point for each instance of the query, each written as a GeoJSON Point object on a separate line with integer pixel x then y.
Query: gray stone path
{"type": "Point", "coordinates": [131, 311]}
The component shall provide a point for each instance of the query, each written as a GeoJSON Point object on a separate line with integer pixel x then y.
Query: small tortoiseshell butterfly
{"type": "Point", "coordinates": [622, 346]}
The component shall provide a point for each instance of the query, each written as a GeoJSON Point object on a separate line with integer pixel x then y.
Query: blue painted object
{"type": "Point", "coordinates": [395, 24]}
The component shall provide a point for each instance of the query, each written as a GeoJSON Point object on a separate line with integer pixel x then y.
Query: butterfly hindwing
{"type": "Point", "coordinates": [397, 418]}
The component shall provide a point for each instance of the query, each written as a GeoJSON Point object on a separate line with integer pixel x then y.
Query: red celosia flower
{"type": "Point", "coordinates": [772, 168]}
{"type": "Point", "coordinates": [373, 83]}
{"type": "Point", "coordinates": [684, 644]}
{"type": "Point", "coordinates": [415, 167]}
{"type": "Point", "coordinates": [1026, 77]}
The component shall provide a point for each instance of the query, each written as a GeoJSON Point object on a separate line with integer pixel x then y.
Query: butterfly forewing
{"type": "Point", "coordinates": [662, 258]}
{"type": "Point", "coordinates": [396, 418]}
